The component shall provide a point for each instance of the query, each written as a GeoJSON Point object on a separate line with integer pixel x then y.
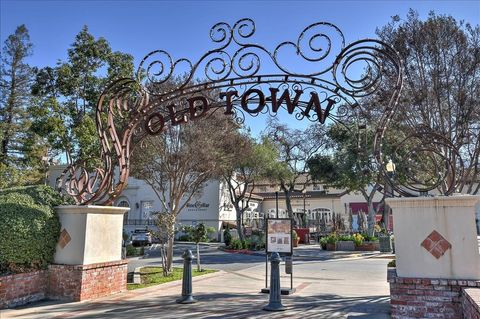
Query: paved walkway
{"type": "Point", "coordinates": [342, 288]}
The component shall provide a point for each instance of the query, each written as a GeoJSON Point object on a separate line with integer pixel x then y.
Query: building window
{"type": "Point", "coordinates": [147, 207]}
{"type": "Point", "coordinates": [262, 188]}
{"type": "Point", "coordinates": [317, 187]}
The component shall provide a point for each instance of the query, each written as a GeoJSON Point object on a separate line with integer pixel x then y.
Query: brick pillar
{"type": "Point", "coordinates": [87, 260]}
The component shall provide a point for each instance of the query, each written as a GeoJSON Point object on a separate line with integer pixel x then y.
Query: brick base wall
{"type": "Point", "coordinates": [19, 289]}
{"type": "Point", "coordinates": [471, 303]}
{"type": "Point", "coordinates": [64, 282]}
{"type": "Point", "coordinates": [427, 298]}
{"type": "Point", "coordinates": [83, 282]}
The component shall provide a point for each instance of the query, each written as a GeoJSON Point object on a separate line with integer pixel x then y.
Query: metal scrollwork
{"type": "Point", "coordinates": [260, 81]}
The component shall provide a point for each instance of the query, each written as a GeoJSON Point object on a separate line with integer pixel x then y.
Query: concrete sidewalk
{"type": "Point", "coordinates": [354, 288]}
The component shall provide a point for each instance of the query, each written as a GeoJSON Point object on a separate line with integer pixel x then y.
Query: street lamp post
{"type": "Point", "coordinates": [276, 200]}
{"type": "Point", "coordinates": [390, 167]}
{"type": "Point", "coordinates": [304, 192]}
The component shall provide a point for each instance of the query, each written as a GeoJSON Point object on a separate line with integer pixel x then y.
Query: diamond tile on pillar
{"type": "Point", "coordinates": [436, 244]}
{"type": "Point", "coordinates": [64, 238]}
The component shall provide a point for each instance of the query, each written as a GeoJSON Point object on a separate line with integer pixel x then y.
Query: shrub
{"type": "Point", "coordinates": [236, 244]}
{"type": "Point", "coordinates": [323, 242]}
{"type": "Point", "coordinates": [131, 251]}
{"type": "Point", "coordinates": [357, 239]}
{"type": "Point", "coordinates": [29, 227]}
{"type": "Point", "coordinates": [40, 194]}
{"type": "Point", "coordinates": [392, 263]}
{"type": "Point", "coordinates": [332, 238]}
{"type": "Point", "coordinates": [294, 236]}
{"type": "Point", "coordinates": [227, 237]}
{"type": "Point", "coordinates": [345, 238]}
{"type": "Point", "coordinates": [184, 238]}
{"type": "Point", "coordinates": [369, 238]}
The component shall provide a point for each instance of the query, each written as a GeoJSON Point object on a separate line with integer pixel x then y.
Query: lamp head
{"type": "Point", "coordinates": [390, 166]}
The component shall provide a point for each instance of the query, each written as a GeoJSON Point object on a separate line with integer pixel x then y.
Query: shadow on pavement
{"type": "Point", "coordinates": [222, 305]}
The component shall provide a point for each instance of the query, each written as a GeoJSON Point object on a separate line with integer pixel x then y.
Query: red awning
{"type": "Point", "coordinates": [357, 207]}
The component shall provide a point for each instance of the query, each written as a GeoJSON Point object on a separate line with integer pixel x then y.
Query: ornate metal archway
{"type": "Point", "coordinates": [129, 109]}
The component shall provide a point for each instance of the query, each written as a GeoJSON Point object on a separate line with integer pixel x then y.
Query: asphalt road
{"type": "Point", "coordinates": [210, 256]}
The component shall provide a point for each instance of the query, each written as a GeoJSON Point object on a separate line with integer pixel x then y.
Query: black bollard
{"type": "Point", "coordinates": [187, 278]}
{"type": "Point", "coordinates": [275, 301]}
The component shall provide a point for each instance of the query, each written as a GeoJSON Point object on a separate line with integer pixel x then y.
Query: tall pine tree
{"type": "Point", "coordinates": [16, 78]}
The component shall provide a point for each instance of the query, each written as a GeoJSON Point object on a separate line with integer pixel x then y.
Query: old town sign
{"type": "Point", "coordinates": [316, 77]}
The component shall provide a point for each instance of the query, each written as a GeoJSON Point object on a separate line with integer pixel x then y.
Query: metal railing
{"type": "Point", "coordinates": [139, 222]}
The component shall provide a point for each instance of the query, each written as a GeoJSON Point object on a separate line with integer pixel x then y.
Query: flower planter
{"type": "Point", "coordinates": [385, 244]}
{"type": "Point", "coordinates": [345, 245]}
{"type": "Point", "coordinates": [330, 247]}
{"type": "Point", "coordinates": [368, 246]}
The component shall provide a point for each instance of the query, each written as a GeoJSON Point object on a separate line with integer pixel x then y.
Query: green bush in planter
{"type": "Point", "coordinates": [236, 244]}
{"type": "Point", "coordinates": [227, 237]}
{"type": "Point", "coordinates": [332, 238]}
{"type": "Point", "coordinates": [323, 242]}
{"type": "Point", "coordinates": [29, 227]}
{"type": "Point", "coordinates": [294, 236]}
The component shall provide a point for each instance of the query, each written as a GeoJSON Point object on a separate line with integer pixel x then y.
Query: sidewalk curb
{"type": "Point", "coordinates": [193, 243]}
{"type": "Point", "coordinates": [352, 256]}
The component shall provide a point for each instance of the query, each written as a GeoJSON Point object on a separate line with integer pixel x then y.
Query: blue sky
{"type": "Point", "coordinates": [182, 27]}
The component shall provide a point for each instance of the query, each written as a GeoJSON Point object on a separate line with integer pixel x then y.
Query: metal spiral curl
{"type": "Point", "coordinates": [370, 55]}
{"type": "Point", "coordinates": [115, 109]}
{"type": "Point", "coordinates": [219, 66]}
{"type": "Point", "coordinates": [243, 29]}
{"type": "Point", "coordinates": [424, 166]}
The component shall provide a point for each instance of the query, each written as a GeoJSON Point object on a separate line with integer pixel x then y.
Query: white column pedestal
{"type": "Point", "coordinates": [456, 256]}
{"type": "Point", "coordinates": [90, 234]}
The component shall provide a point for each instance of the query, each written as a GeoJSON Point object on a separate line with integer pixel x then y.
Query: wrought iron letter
{"type": "Point", "coordinates": [193, 109]}
{"type": "Point", "coordinates": [261, 101]}
{"type": "Point", "coordinates": [315, 101]}
{"type": "Point", "coordinates": [173, 116]}
{"type": "Point", "coordinates": [228, 95]}
{"type": "Point", "coordinates": [154, 128]}
{"type": "Point", "coordinates": [285, 97]}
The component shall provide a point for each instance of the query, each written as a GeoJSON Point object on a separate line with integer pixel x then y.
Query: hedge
{"type": "Point", "coordinates": [29, 227]}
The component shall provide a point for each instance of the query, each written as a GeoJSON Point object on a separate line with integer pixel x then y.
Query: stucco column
{"type": "Point", "coordinates": [88, 259]}
{"type": "Point", "coordinates": [436, 237]}
{"type": "Point", "coordinates": [89, 234]}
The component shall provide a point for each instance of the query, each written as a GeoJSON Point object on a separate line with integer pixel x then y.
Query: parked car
{"type": "Point", "coordinates": [141, 237]}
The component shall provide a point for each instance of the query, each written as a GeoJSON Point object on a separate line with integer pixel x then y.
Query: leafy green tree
{"type": "Point", "coordinates": [200, 234]}
{"type": "Point", "coordinates": [243, 162]}
{"type": "Point", "coordinates": [20, 151]}
{"type": "Point", "coordinates": [66, 96]}
{"type": "Point", "coordinates": [349, 165]}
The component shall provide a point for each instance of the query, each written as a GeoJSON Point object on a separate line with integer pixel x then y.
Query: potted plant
{"type": "Point", "coordinates": [323, 243]}
{"type": "Point", "coordinates": [332, 241]}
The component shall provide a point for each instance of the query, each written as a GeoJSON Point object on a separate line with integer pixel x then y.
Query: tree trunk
{"type": "Point", "coordinates": [170, 255]}
{"type": "Point", "coordinates": [371, 218]}
{"type": "Point", "coordinates": [239, 222]}
{"type": "Point", "coordinates": [385, 216]}
{"type": "Point", "coordinates": [288, 203]}
{"type": "Point", "coordinates": [199, 268]}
